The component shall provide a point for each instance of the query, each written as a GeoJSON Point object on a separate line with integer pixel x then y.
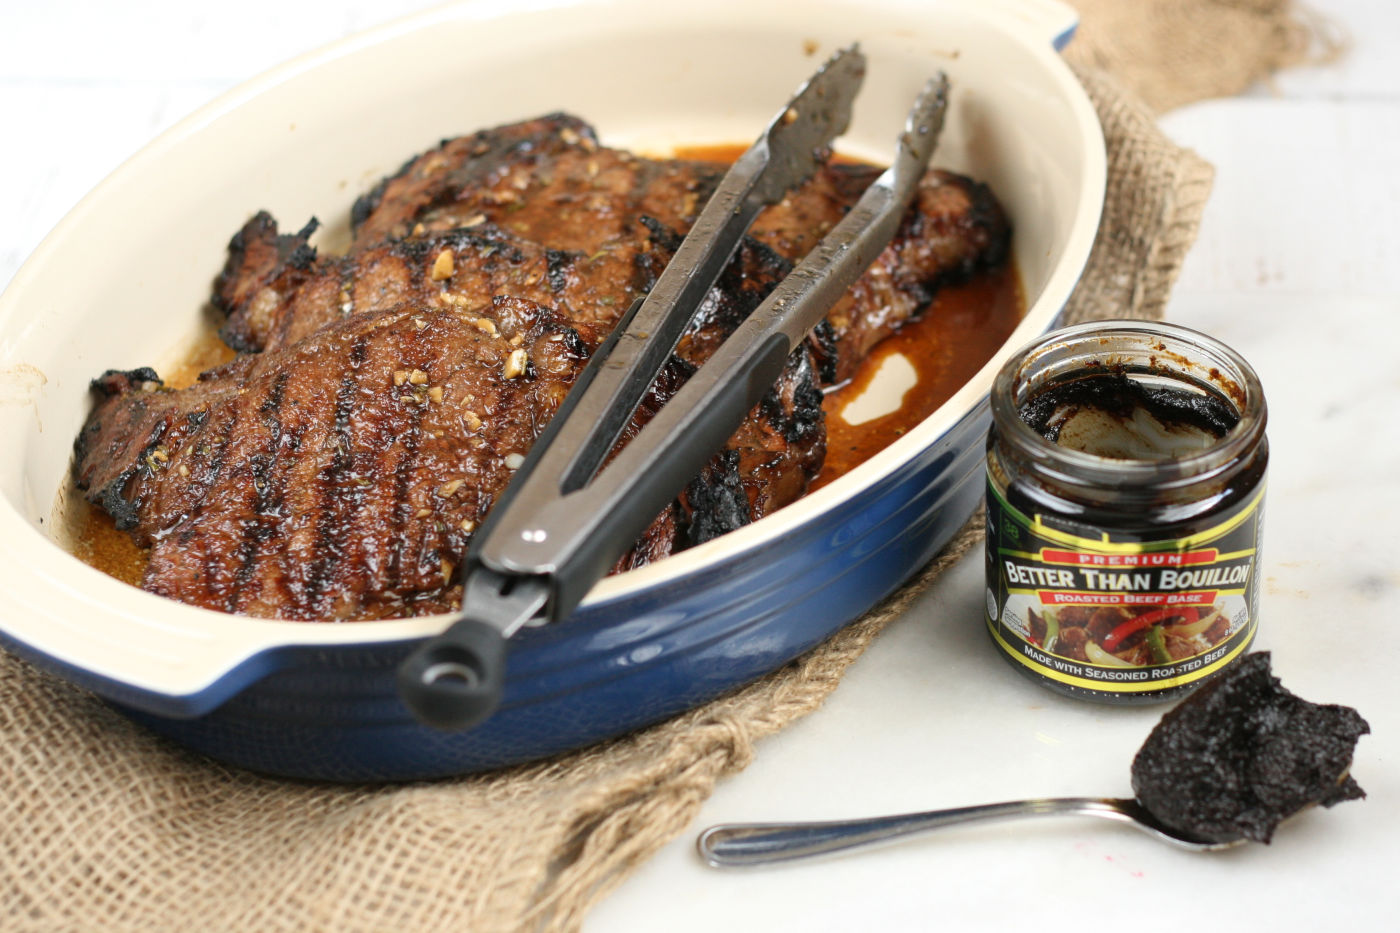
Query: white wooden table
{"type": "Point", "coordinates": [1297, 267]}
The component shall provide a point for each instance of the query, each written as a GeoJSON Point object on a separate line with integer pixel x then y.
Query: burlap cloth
{"type": "Point", "coordinates": [103, 826]}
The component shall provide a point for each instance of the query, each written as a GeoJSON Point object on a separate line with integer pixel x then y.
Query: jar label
{"type": "Point", "coordinates": [1120, 616]}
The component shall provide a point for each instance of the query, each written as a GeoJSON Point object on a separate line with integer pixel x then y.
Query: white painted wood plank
{"type": "Point", "coordinates": [1370, 33]}
{"type": "Point", "coordinates": [161, 40]}
{"type": "Point", "coordinates": [1305, 197]}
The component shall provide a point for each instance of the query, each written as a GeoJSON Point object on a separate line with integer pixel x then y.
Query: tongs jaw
{"type": "Point", "coordinates": [565, 519]}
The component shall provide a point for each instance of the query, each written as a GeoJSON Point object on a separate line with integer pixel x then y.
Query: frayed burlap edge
{"type": "Point", "coordinates": [1152, 211]}
{"type": "Point", "coordinates": [1174, 52]}
{"type": "Point", "coordinates": [714, 741]}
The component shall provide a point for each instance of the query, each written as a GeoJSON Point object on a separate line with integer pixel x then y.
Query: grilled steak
{"type": "Point", "coordinates": [549, 181]}
{"type": "Point", "coordinates": [342, 475]}
{"type": "Point", "coordinates": [272, 302]}
{"type": "Point", "coordinates": [546, 180]}
{"type": "Point", "coordinates": [338, 469]}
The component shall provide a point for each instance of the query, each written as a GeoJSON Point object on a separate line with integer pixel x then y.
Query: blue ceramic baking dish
{"type": "Point", "coordinates": [121, 282]}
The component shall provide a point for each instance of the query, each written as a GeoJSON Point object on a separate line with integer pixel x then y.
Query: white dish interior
{"type": "Point", "coordinates": [123, 280]}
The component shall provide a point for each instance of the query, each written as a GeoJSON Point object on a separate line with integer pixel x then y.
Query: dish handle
{"type": "Point", "coordinates": [149, 654]}
{"type": "Point", "coordinates": [1039, 20]}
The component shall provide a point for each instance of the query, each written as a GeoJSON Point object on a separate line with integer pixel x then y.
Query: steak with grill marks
{"type": "Point", "coordinates": [774, 455]}
{"type": "Point", "coordinates": [271, 301]}
{"type": "Point", "coordinates": [338, 469]}
{"type": "Point", "coordinates": [548, 180]}
{"type": "Point", "coordinates": [342, 475]}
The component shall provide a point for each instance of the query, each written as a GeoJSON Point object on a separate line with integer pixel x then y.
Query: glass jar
{"type": "Point", "coordinates": [1124, 580]}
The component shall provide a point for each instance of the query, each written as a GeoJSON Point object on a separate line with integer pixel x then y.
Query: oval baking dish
{"type": "Point", "coordinates": [121, 282]}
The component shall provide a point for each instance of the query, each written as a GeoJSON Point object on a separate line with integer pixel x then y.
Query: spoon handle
{"type": "Point", "coordinates": [737, 845]}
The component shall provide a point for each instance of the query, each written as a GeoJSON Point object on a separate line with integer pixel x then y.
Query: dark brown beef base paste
{"type": "Point", "coordinates": [1115, 394]}
{"type": "Point", "coordinates": [1242, 754]}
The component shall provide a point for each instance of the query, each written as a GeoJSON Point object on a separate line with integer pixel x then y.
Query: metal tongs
{"type": "Point", "coordinates": [562, 523]}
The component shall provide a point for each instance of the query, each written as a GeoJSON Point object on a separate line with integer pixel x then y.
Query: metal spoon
{"type": "Point", "coordinates": [738, 845]}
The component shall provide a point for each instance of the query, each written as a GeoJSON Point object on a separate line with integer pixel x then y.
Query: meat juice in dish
{"type": "Point", "coordinates": [963, 326]}
{"type": "Point", "coordinates": [337, 467]}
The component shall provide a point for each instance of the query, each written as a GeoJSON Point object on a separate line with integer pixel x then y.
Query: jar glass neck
{"type": "Point", "coordinates": [1162, 352]}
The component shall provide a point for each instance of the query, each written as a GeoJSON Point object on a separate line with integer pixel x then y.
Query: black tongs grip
{"type": "Point", "coordinates": [563, 522]}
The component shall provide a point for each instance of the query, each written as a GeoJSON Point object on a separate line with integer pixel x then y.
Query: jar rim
{"type": "Point", "coordinates": [1175, 349]}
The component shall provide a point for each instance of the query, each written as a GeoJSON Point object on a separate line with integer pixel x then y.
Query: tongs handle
{"type": "Point", "coordinates": [455, 679]}
{"type": "Point", "coordinates": [569, 525]}
{"type": "Point", "coordinates": [575, 537]}
{"type": "Point", "coordinates": [516, 537]}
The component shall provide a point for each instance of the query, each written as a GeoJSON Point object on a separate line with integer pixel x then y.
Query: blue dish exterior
{"type": "Point", "coordinates": [334, 714]}
{"type": "Point", "coordinates": [1062, 40]}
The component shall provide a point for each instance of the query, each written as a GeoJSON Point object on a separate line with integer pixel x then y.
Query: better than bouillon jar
{"type": "Point", "coordinates": [1125, 482]}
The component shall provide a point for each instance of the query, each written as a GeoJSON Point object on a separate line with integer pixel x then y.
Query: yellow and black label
{"type": "Point", "coordinates": [1114, 616]}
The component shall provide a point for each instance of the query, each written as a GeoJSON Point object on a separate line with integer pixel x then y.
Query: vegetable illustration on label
{"type": "Point", "coordinates": [1122, 616]}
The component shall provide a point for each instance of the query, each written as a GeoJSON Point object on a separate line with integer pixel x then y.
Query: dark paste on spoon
{"type": "Point", "coordinates": [1242, 754]}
